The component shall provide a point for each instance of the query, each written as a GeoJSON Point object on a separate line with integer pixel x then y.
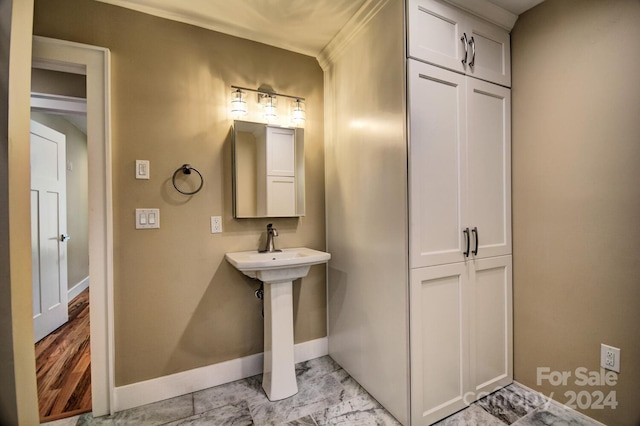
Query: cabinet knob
{"type": "Point", "coordinates": [475, 235]}
{"type": "Point", "coordinates": [465, 42]}
{"type": "Point", "coordinates": [466, 234]}
{"type": "Point", "coordinates": [472, 62]}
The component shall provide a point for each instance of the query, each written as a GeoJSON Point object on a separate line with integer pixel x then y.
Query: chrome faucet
{"type": "Point", "coordinates": [270, 246]}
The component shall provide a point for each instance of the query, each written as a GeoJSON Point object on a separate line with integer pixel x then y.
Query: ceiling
{"type": "Point", "coordinates": [303, 26]}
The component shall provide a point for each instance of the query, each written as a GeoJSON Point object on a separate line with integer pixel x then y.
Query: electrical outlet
{"type": "Point", "coordinates": [610, 358]}
{"type": "Point", "coordinates": [216, 224]}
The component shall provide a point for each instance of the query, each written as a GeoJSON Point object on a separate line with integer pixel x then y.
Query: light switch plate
{"type": "Point", "coordinates": [142, 169]}
{"type": "Point", "coordinates": [147, 218]}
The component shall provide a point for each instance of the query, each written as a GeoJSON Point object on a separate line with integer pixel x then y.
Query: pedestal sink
{"type": "Point", "coordinates": [277, 271]}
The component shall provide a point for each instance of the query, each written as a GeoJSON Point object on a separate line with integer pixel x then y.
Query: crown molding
{"type": "Point", "coordinates": [487, 11]}
{"type": "Point", "coordinates": [351, 29]}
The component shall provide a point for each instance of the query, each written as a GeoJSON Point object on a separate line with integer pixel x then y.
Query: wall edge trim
{"type": "Point", "coordinates": [185, 382]}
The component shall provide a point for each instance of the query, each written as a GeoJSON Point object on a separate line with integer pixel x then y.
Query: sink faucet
{"type": "Point", "coordinates": [270, 246]}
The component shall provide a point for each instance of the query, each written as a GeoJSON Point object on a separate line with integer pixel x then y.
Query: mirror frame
{"type": "Point", "coordinates": [299, 169]}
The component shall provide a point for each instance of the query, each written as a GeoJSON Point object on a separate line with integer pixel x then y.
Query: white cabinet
{"type": "Point", "coordinates": [460, 231]}
{"type": "Point", "coordinates": [441, 34]}
{"type": "Point", "coordinates": [461, 335]}
{"type": "Point", "coordinates": [460, 167]}
{"type": "Point", "coordinates": [276, 165]}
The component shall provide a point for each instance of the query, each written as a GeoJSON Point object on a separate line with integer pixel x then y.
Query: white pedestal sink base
{"type": "Point", "coordinates": [277, 271]}
{"type": "Point", "coordinates": [279, 378]}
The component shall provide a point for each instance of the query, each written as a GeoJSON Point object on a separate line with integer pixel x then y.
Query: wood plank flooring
{"type": "Point", "coordinates": [63, 365]}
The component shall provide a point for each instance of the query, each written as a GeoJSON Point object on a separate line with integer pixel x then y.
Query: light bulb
{"type": "Point", "coordinates": [238, 103]}
{"type": "Point", "coordinates": [270, 108]}
{"type": "Point", "coordinates": [298, 112]}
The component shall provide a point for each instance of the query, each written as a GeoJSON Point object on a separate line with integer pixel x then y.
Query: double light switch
{"type": "Point", "coordinates": [147, 218]}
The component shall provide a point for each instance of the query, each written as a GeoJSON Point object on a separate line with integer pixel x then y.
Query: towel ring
{"type": "Point", "coordinates": [186, 169]}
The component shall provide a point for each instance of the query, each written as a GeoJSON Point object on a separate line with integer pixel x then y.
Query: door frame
{"type": "Point", "coordinates": [95, 63]}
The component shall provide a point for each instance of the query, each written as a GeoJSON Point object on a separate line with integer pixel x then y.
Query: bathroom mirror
{"type": "Point", "coordinates": [268, 170]}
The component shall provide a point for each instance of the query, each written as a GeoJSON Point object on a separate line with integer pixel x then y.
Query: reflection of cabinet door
{"type": "Point", "coordinates": [281, 152]}
{"type": "Point", "coordinates": [461, 335]}
{"type": "Point", "coordinates": [442, 34]}
{"type": "Point", "coordinates": [281, 196]}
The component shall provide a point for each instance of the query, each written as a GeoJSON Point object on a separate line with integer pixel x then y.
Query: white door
{"type": "Point", "coordinates": [489, 165]}
{"type": "Point", "coordinates": [443, 35]}
{"type": "Point", "coordinates": [437, 165]}
{"type": "Point", "coordinates": [491, 324]}
{"type": "Point", "coordinates": [439, 324]}
{"type": "Point", "coordinates": [48, 230]}
{"type": "Point", "coordinates": [490, 52]}
{"type": "Point", "coordinates": [437, 34]}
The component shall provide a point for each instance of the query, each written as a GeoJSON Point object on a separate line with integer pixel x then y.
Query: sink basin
{"type": "Point", "coordinates": [287, 265]}
{"type": "Point", "coordinates": [277, 271]}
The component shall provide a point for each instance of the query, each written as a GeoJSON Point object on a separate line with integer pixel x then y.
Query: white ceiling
{"type": "Point", "coordinates": [303, 26]}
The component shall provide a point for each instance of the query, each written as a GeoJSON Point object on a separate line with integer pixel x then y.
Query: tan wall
{"type": "Point", "coordinates": [18, 394]}
{"type": "Point", "coordinates": [576, 197]}
{"type": "Point", "coordinates": [366, 155]}
{"type": "Point", "coordinates": [77, 196]}
{"type": "Point", "coordinates": [178, 304]}
{"type": "Point", "coordinates": [58, 83]}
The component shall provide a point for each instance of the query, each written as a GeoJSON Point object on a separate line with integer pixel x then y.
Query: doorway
{"type": "Point", "coordinates": [60, 243]}
{"type": "Point", "coordinates": [94, 62]}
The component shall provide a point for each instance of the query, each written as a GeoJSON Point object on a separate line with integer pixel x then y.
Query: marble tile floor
{"type": "Point", "coordinates": [327, 395]}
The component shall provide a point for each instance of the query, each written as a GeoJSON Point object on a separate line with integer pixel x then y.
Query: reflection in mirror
{"type": "Point", "coordinates": [268, 173]}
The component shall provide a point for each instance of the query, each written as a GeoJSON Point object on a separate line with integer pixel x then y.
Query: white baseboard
{"type": "Point", "coordinates": [154, 390]}
{"type": "Point", "coordinates": [559, 404]}
{"type": "Point", "coordinates": [78, 288]}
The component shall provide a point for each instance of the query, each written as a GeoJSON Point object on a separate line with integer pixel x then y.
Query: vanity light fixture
{"type": "Point", "coordinates": [298, 112]}
{"type": "Point", "coordinates": [238, 103]}
{"type": "Point", "coordinates": [268, 100]}
{"type": "Point", "coordinates": [270, 106]}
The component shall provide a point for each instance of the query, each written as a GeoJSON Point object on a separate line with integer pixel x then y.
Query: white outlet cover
{"type": "Point", "coordinates": [216, 224]}
{"type": "Point", "coordinates": [610, 358]}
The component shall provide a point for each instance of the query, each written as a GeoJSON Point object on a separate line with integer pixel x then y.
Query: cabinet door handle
{"type": "Point", "coordinates": [466, 234]}
{"type": "Point", "coordinates": [472, 62]}
{"type": "Point", "coordinates": [464, 40]}
{"type": "Point", "coordinates": [475, 234]}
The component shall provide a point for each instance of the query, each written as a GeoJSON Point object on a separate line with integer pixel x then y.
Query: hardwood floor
{"type": "Point", "coordinates": [63, 364]}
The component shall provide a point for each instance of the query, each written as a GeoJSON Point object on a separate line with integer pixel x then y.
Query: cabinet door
{"type": "Point", "coordinates": [439, 342]}
{"type": "Point", "coordinates": [437, 166]}
{"type": "Point", "coordinates": [281, 152]}
{"type": "Point", "coordinates": [489, 165]}
{"type": "Point", "coordinates": [490, 53]}
{"type": "Point", "coordinates": [491, 324]}
{"type": "Point", "coordinates": [435, 33]}
{"type": "Point", "coordinates": [281, 196]}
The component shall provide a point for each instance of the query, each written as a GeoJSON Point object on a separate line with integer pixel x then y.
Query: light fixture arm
{"type": "Point", "coordinates": [268, 92]}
